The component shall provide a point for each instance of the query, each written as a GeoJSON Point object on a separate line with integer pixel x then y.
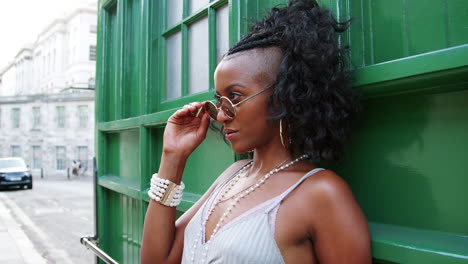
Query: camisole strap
{"type": "Point", "coordinates": [285, 194]}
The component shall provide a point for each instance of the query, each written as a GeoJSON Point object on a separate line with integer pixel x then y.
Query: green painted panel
{"type": "Point", "coordinates": [120, 185]}
{"type": "Point", "coordinates": [132, 229]}
{"type": "Point", "coordinates": [124, 158]}
{"type": "Point", "coordinates": [154, 149]}
{"type": "Point", "coordinates": [110, 59]}
{"type": "Point", "coordinates": [112, 229]}
{"type": "Point", "coordinates": [457, 29]}
{"type": "Point", "coordinates": [411, 245]}
{"type": "Point", "coordinates": [407, 164]}
{"type": "Point", "coordinates": [122, 233]}
{"type": "Point", "coordinates": [131, 58]}
{"type": "Point", "coordinates": [387, 25]}
{"type": "Point", "coordinates": [112, 157]}
{"type": "Point", "coordinates": [421, 37]}
{"type": "Point", "coordinates": [384, 30]}
{"type": "Point", "coordinates": [155, 70]}
{"type": "Point", "coordinates": [206, 163]}
{"type": "Point", "coordinates": [357, 51]}
{"type": "Point", "coordinates": [129, 155]}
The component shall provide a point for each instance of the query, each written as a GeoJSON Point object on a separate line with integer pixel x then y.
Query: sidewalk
{"type": "Point", "coordinates": [15, 246]}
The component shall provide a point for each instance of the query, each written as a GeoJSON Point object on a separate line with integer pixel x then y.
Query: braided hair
{"type": "Point", "coordinates": [312, 94]}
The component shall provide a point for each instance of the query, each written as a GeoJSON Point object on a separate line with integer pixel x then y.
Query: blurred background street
{"type": "Point", "coordinates": [53, 215]}
{"type": "Point", "coordinates": [47, 82]}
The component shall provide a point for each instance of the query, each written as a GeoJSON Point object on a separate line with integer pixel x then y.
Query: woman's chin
{"type": "Point", "coordinates": [240, 150]}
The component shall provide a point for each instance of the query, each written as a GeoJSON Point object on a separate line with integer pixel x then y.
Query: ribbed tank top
{"type": "Point", "coordinates": [248, 238]}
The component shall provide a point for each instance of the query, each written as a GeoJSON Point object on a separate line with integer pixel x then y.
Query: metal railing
{"type": "Point", "coordinates": [90, 242]}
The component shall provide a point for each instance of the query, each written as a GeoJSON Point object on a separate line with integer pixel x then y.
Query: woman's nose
{"type": "Point", "coordinates": [222, 117]}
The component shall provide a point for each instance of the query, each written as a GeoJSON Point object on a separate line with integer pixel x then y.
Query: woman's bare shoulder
{"type": "Point", "coordinates": [327, 195]}
{"type": "Point", "coordinates": [326, 185]}
{"type": "Point", "coordinates": [332, 202]}
{"type": "Point", "coordinates": [335, 220]}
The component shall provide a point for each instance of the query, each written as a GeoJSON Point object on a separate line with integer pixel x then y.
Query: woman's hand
{"type": "Point", "coordinates": [185, 130]}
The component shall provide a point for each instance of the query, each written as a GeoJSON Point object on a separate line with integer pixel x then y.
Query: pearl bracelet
{"type": "Point", "coordinates": [165, 192]}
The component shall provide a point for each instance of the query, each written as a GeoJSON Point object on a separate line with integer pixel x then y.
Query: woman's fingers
{"type": "Point", "coordinates": [205, 121]}
{"type": "Point", "coordinates": [185, 130]}
{"type": "Point", "coordinates": [187, 113]}
{"type": "Point", "coordinates": [201, 111]}
{"type": "Point", "coordinates": [192, 109]}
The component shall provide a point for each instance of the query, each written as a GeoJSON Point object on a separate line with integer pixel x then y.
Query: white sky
{"type": "Point", "coordinates": [22, 20]}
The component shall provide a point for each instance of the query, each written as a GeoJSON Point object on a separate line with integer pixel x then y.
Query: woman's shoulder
{"type": "Point", "coordinates": [332, 216]}
{"type": "Point", "coordinates": [323, 193]}
{"type": "Point", "coordinates": [323, 201]}
{"type": "Point", "coordinates": [326, 186]}
{"type": "Point", "coordinates": [329, 197]}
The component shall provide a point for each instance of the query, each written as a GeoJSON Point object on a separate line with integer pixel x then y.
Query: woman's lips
{"type": "Point", "coordinates": [230, 133]}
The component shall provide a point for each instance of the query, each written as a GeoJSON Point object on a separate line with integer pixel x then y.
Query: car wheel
{"type": "Point", "coordinates": [29, 186]}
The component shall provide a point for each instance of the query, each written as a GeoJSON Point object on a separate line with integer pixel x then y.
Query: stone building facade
{"type": "Point", "coordinates": [49, 131]}
{"type": "Point", "coordinates": [47, 97]}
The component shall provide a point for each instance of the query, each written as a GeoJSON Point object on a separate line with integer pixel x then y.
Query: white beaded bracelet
{"type": "Point", "coordinates": [165, 192]}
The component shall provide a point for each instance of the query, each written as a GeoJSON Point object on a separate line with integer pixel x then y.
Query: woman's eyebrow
{"type": "Point", "coordinates": [236, 84]}
{"type": "Point", "coordinates": [229, 87]}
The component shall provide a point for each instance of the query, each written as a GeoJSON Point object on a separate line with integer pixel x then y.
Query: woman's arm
{"type": "Point", "coordinates": [338, 226]}
{"type": "Point", "coordinates": [163, 237]}
{"type": "Point", "coordinates": [150, 251]}
{"type": "Point", "coordinates": [162, 240]}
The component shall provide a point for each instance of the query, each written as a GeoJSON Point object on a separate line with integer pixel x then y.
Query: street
{"type": "Point", "coordinates": [54, 215]}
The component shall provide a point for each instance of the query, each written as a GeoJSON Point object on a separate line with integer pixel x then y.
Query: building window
{"type": "Point", "coordinates": [92, 28]}
{"type": "Point", "coordinates": [55, 64]}
{"type": "Point", "coordinates": [92, 52]}
{"type": "Point", "coordinates": [83, 116]}
{"type": "Point", "coordinates": [187, 36]}
{"type": "Point", "coordinates": [15, 151]}
{"type": "Point", "coordinates": [60, 116]}
{"type": "Point", "coordinates": [36, 157]}
{"type": "Point", "coordinates": [36, 115]}
{"type": "Point", "coordinates": [83, 156]}
{"type": "Point", "coordinates": [61, 157]}
{"type": "Point", "coordinates": [91, 83]}
{"type": "Point", "coordinates": [15, 117]}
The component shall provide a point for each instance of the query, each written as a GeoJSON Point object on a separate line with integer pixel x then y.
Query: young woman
{"type": "Point", "coordinates": [282, 92]}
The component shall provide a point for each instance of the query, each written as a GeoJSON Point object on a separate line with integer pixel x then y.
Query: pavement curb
{"type": "Point", "coordinates": [17, 247]}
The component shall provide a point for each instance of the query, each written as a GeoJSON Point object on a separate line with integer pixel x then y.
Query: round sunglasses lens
{"type": "Point", "coordinates": [227, 108]}
{"type": "Point", "coordinates": [211, 110]}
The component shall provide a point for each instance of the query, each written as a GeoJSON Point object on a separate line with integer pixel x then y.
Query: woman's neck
{"type": "Point", "coordinates": [266, 159]}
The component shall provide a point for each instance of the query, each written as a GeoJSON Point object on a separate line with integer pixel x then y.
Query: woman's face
{"type": "Point", "coordinates": [237, 77]}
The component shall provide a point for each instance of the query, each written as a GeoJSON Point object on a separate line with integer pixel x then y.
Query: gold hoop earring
{"type": "Point", "coordinates": [281, 133]}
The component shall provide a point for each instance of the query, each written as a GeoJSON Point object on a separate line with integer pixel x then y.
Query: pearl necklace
{"type": "Point", "coordinates": [233, 204]}
{"type": "Point", "coordinates": [222, 196]}
{"type": "Point", "coordinates": [242, 173]}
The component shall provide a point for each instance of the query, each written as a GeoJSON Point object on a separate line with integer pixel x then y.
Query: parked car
{"type": "Point", "coordinates": [14, 172]}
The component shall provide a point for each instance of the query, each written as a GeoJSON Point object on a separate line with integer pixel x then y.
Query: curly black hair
{"type": "Point", "coordinates": [312, 94]}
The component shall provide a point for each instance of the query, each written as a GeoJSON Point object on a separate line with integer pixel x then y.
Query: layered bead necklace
{"type": "Point", "coordinates": [235, 201]}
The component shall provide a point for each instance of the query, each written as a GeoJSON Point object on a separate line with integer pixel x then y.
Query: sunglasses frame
{"type": "Point", "coordinates": [233, 106]}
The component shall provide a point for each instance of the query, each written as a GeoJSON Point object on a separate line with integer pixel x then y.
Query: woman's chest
{"type": "Point", "coordinates": [266, 230]}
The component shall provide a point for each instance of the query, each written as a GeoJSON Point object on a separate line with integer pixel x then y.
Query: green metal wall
{"type": "Point", "coordinates": [406, 163]}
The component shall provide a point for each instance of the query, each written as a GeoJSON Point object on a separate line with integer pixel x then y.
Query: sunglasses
{"type": "Point", "coordinates": [226, 106]}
